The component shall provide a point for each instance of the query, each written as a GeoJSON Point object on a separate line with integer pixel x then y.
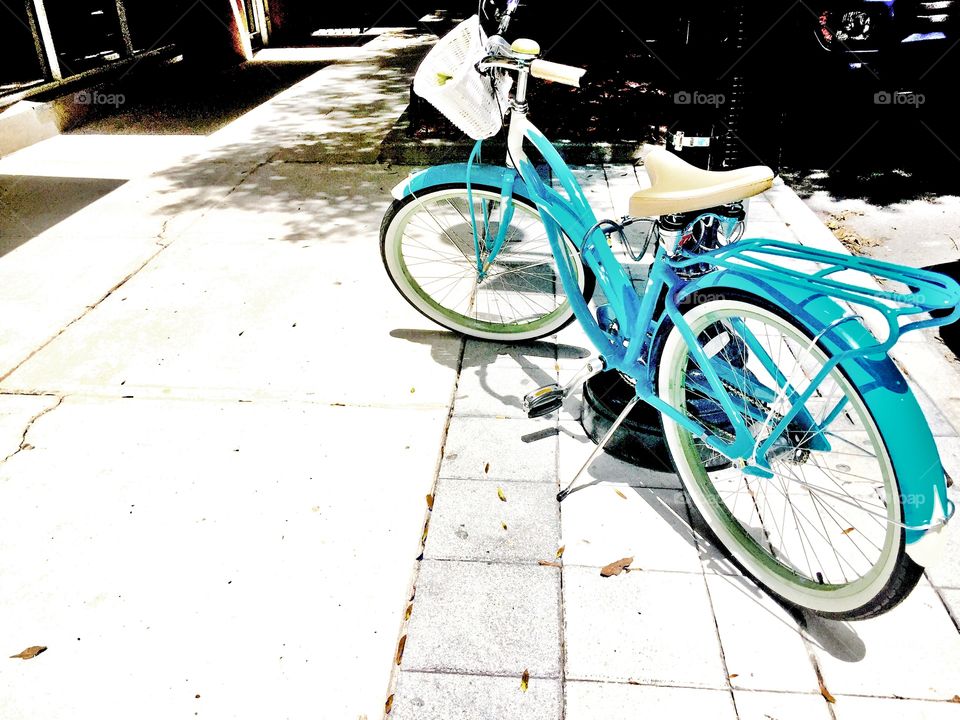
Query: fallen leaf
{"type": "Point", "coordinates": [429, 502]}
{"type": "Point", "coordinates": [560, 551]}
{"type": "Point", "coordinates": [486, 468]}
{"type": "Point", "coordinates": [503, 525]}
{"type": "Point", "coordinates": [731, 676]}
{"type": "Point", "coordinates": [400, 647]}
{"type": "Point", "coordinates": [615, 568]}
{"type": "Point", "coordinates": [525, 680]}
{"type": "Point", "coordinates": [409, 612]}
{"type": "Point", "coordinates": [388, 705]}
{"type": "Point", "coordinates": [500, 494]}
{"type": "Point", "coordinates": [548, 563]}
{"type": "Point", "coordinates": [412, 390]}
{"type": "Point", "coordinates": [848, 531]}
{"type": "Point", "coordinates": [954, 699]}
{"type": "Point", "coordinates": [31, 652]}
{"type": "Point", "coordinates": [631, 681]}
{"type": "Point", "coordinates": [621, 495]}
{"type": "Point", "coordinates": [426, 529]}
{"type": "Point", "coordinates": [826, 694]}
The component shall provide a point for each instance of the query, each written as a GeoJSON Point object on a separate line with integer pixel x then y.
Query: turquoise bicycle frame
{"type": "Point", "coordinates": [752, 267]}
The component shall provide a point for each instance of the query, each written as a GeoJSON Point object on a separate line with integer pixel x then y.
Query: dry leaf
{"type": "Point", "coordinates": [486, 468]}
{"type": "Point", "coordinates": [848, 531]}
{"type": "Point", "coordinates": [631, 681]}
{"type": "Point", "coordinates": [500, 494]}
{"type": "Point", "coordinates": [388, 705]}
{"type": "Point", "coordinates": [525, 680]}
{"type": "Point", "coordinates": [429, 502]}
{"type": "Point", "coordinates": [400, 647]}
{"type": "Point", "coordinates": [954, 699]}
{"type": "Point", "coordinates": [615, 568]}
{"type": "Point", "coordinates": [621, 495]}
{"type": "Point", "coordinates": [731, 676]}
{"type": "Point", "coordinates": [409, 612]}
{"type": "Point", "coordinates": [426, 529]}
{"type": "Point", "coordinates": [412, 390]}
{"type": "Point", "coordinates": [826, 694]}
{"type": "Point", "coordinates": [503, 525]}
{"type": "Point", "coordinates": [560, 551]}
{"type": "Point", "coordinates": [548, 563]}
{"type": "Point", "coordinates": [31, 652]}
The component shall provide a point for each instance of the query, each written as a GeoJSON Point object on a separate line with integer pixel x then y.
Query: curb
{"type": "Point", "coordinates": [920, 359]}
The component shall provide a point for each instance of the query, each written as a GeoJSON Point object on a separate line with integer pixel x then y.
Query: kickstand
{"type": "Point", "coordinates": [596, 451]}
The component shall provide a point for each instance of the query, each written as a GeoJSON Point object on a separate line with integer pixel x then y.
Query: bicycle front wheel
{"type": "Point", "coordinates": [428, 249]}
{"type": "Point", "coordinates": [825, 531]}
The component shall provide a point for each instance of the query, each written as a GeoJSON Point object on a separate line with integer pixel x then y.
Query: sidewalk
{"type": "Point", "coordinates": [220, 422]}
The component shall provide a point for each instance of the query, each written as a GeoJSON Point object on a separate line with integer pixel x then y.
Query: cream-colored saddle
{"type": "Point", "coordinates": [678, 186]}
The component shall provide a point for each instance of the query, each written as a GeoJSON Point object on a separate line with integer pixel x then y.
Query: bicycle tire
{"type": "Point", "coordinates": [520, 299]}
{"type": "Point", "coordinates": [817, 484]}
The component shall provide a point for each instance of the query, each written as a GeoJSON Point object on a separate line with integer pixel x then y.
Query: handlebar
{"type": "Point", "coordinates": [506, 57]}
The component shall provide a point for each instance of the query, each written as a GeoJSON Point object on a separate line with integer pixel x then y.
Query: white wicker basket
{"type": "Point", "coordinates": [448, 80]}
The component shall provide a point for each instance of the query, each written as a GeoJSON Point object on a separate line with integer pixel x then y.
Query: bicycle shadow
{"type": "Point", "coordinates": [537, 361]}
{"type": "Point", "coordinates": [837, 638]}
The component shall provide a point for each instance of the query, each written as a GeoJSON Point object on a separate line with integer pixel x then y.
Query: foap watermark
{"type": "Point", "coordinates": [885, 97]}
{"type": "Point", "coordinates": [685, 97]}
{"type": "Point", "coordinates": [95, 97]}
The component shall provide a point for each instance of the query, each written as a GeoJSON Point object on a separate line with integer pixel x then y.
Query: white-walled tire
{"type": "Point", "coordinates": [825, 532]}
{"type": "Point", "coordinates": [427, 246]}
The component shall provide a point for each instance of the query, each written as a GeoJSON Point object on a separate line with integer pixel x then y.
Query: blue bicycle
{"type": "Point", "coordinates": [795, 435]}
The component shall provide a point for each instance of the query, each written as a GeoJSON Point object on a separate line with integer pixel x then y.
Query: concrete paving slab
{"type": "Point", "coordinates": [266, 319]}
{"type": "Point", "coordinates": [164, 550]}
{"type": "Point", "coordinates": [606, 522]}
{"type": "Point", "coordinates": [501, 449]}
{"type": "Point", "coordinates": [866, 659]}
{"type": "Point", "coordinates": [436, 696]}
{"type": "Point", "coordinates": [762, 643]}
{"type": "Point", "coordinates": [590, 700]}
{"type": "Point", "coordinates": [474, 617]}
{"type": "Point", "coordinates": [853, 708]}
{"type": "Point", "coordinates": [468, 522]}
{"type": "Point", "coordinates": [497, 391]}
{"type": "Point", "coordinates": [651, 627]}
{"type": "Point", "coordinates": [782, 706]}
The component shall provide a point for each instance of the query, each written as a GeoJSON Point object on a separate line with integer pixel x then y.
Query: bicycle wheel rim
{"type": "Point", "coordinates": [841, 554]}
{"type": "Point", "coordinates": [431, 256]}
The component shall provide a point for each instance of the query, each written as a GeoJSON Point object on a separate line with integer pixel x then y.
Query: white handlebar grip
{"type": "Point", "coordinates": [555, 72]}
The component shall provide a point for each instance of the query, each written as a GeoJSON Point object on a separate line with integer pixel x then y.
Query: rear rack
{"type": "Point", "coordinates": [778, 262]}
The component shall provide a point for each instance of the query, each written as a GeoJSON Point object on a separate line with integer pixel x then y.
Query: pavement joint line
{"type": "Point", "coordinates": [478, 674]}
{"type": "Point", "coordinates": [30, 423]}
{"type": "Point", "coordinates": [938, 590]}
{"type": "Point", "coordinates": [397, 668]}
{"type": "Point", "coordinates": [90, 308]}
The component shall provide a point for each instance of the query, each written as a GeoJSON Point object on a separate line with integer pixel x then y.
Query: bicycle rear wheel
{"type": "Point", "coordinates": [428, 249]}
{"type": "Point", "coordinates": [825, 531]}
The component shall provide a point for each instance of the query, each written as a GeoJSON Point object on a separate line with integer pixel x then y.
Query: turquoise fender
{"type": "Point", "coordinates": [887, 395]}
{"type": "Point", "coordinates": [492, 175]}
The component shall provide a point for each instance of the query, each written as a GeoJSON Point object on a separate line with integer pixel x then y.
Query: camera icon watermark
{"type": "Point", "coordinates": [95, 97]}
{"type": "Point", "coordinates": [884, 97]}
{"type": "Point", "coordinates": [685, 97]}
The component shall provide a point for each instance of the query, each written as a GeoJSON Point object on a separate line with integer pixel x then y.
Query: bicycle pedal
{"type": "Point", "coordinates": [543, 400]}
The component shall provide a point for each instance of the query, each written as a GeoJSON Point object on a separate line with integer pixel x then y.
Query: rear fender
{"type": "Point", "coordinates": [892, 403]}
